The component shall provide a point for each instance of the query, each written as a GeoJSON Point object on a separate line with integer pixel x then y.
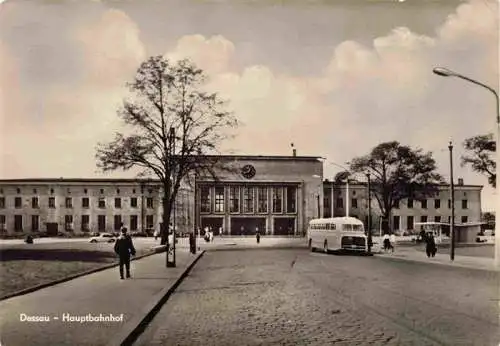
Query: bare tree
{"type": "Point", "coordinates": [176, 126]}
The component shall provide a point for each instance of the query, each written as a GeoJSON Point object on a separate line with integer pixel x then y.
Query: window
{"type": "Point", "coordinates": [35, 191]}
{"type": "Point", "coordinates": [410, 203]}
{"type": "Point", "coordinates": [51, 191]}
{"type": "Point", "coordinates": [101, 191]}
{"type": "Point", "coordinates": [219, 199]}
{"type": "Point", "coordinates": [85, 223]}
{"type": "Point", "coordinates": [423, 218]}
{"type": "Point", "coordinates": [2, 222]}
{"type": "Point", "coordinates": [18, 223]}
{"type": "Point", "coordinates": [424, 203]}
{"type": "Point", "coordinates": [464, 219]}
{"type": "Point", "coordinates": [262, 206]}
{"type": "Point", "coordinates": [205, 199]}
{"type": "Point", "coordinates": [395, 222]}
{"type": "Point", "coordinates": [18, 202]}
{"type": "Point", "coordinates": [234, 199]}
{"type": "Point", "coordinates": [68, 190]}
{"type": "Point", "coordinates": [437, 203]}
{"type": "Point", "coordinates": [437, 218]}
{"type": "Point", "coordinates": [69, 202]}
{"type": "Point", "coordinates": [340, 202]}
{"type": "Point", "coordinates": [102, 202]}
{"type": "Point", "coordinates": [248, 199]}
{"type": "Point", "coordinates": [52, 202]}
{"type": "Point", "coordinates": [117, 222]}
{"type": "Point", "coordinates": [18, 190]}
{"type": "Point", "coordinates": [133, 202]}
{"type": "Point", "coordinates": [464, 204]}
{"type": "Point", "coordinates": [149, 221]}
{"type": "Point", "coordinates": [85, 191]}
{"type": "Point", "coordinates": [354, 202]}
{"type": "Point", "coordinates": [133, 222]}
{"type": "Point", "coordinates": [68, 222]}
{"type": "Point", "coordinates": [291, 199]}
{"type": "Point", "coordinates": [409, 222]}
{"type": "Point", "coordinates": [2, 202]}
{"type": "Point", "coordinates": [101, 223]}
{"type": "Point", "coordinates": [85, 202]}
{"type": "Point", "coordinates": [149, 202]}
{"type": "Point", "coordinates": [35, 222]}
{"type": "Point", "coordinates": [117, 191]}
{"type": "Point", "coordinates": [34, 203]}
{"type": "Point", "coordinates": [277, 200]}
{"type": "Point", "coordinates": [133, 190]}
{"type": "Point", "coordinates": [396, 204]}
{"type": "Point", "coordinates": [118, 202]}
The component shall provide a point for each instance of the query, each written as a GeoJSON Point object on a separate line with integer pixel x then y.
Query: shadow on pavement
{"type": "Point", "coordinates": [55, 254]}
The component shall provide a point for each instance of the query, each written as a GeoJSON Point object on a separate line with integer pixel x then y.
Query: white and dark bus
{"type": "Point", "coordinates": [338, 233]}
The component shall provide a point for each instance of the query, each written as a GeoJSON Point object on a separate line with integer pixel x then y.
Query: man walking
{"type": "Point", "coordinates": [124, 248]}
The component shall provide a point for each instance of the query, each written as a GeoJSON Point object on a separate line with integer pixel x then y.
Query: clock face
{"type": "Point", "coordinates": [248, 171]}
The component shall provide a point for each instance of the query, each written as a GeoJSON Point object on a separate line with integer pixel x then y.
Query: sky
{"type": "Point", "coordinates": [335, 78]}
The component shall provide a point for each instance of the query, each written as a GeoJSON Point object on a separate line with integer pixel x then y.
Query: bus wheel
{"type": "Point", "coordinates": [325, 247]}
{"type": "Point", "coordinates": [310, 246]}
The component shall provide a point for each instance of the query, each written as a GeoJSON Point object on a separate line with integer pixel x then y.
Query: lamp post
{"type": "Point", "coordinates": [452, 197]}
{"type": "Point", "coordinates": [369, 223]}
{"type": "Point", "coordinates": [444, 72]}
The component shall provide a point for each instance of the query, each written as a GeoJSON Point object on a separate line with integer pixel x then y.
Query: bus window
{"type": "Point", "coordinates": [357, 227]}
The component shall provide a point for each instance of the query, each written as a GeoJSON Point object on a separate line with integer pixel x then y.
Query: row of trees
{"type": "Point", "coordinates": [177, 126]}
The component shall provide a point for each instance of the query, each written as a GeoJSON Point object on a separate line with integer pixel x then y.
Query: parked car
{"type": "Point", "coordinates": [103, 238]}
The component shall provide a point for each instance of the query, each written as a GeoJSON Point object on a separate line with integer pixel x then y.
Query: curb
{"type": "Point", "coordinates": [134, 328]}
{"type": "Point", "coordinates": [254, 247]}
{"type": "Point", "coordinates": [449, 264]}
{"type": "Point", "coordinates": [74, 276]}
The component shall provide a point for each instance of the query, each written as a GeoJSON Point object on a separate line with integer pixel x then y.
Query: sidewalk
{"type": "Point", "coordinates": [99, 293]}
{"type": "Point", "coordinates": [441, 258]}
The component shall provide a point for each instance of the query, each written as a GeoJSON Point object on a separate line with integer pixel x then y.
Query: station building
{"type": "Point", "coordinates": [276, 195]}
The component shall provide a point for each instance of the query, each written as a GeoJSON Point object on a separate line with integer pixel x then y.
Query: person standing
{"type": "Point", "coordinates": [124, 248]}
{"type": "Point", "coordinates": [430, 248]}
{"type": "Point", "coordinates": [386, 241]}
{"type": "Point", "coordinates": [392, 240]}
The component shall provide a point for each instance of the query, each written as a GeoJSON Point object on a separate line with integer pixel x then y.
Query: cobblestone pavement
{"type": "Point", "coordinates": [293, 297]}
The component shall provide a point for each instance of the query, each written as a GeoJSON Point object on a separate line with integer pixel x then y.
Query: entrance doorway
{"type": "Point", "coordinates": [213, 223]}
{"type": "Point", "coordinates": [284, 226]}
{"type": "Point", "coordinates": [248, 225]}
{"type": "Point", "coordinates": [52, 229]}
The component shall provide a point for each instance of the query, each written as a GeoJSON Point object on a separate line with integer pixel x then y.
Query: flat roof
{"type": "Point", "coordinates": [268, 157]}
{"type": "Point", "coordinates": [79, 180]}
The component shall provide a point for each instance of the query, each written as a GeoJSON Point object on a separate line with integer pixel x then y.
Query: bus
{"type": "Point", "coordinates": [337, 233]}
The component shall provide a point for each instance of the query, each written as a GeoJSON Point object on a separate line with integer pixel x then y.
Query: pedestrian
{"type": "Point", "coordinates": [257, 235]}
{"type": "Point", "coordinates": [430, 248]}
{"type": "Point", "coordinates": [392, 240]}
{"type": "Point", "coordinates": [386, 241]}
{"type": "Point", "coordinates": [124, 248]}
{"type": "Point", "coordinates": [156, 234]}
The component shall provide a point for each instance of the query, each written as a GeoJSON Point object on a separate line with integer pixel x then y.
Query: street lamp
{"type": "Point", "coordinates": [444, 72]}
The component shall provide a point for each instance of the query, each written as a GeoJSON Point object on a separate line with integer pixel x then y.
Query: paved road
{"type": "Point", "coordinates": [294, 297]}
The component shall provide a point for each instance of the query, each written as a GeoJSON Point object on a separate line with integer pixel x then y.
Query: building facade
{"type": "Point", "coordinates": [272, 194]}
{"type": "Point", "coordinates": [404, 216]}
{"type": "Point", "coordinates": [275, 195]}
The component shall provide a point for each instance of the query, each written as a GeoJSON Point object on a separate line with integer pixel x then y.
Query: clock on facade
{"type": "Point", "coordinates": [248, 171]}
